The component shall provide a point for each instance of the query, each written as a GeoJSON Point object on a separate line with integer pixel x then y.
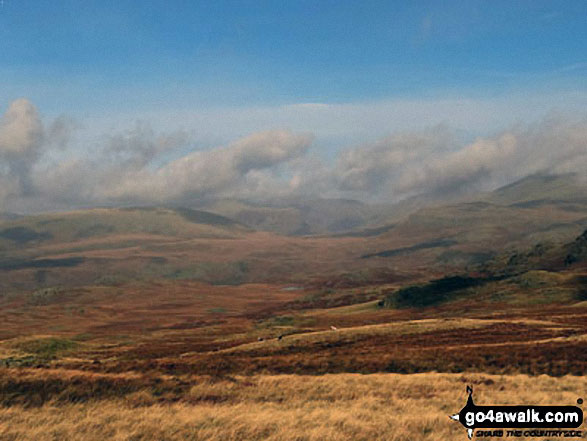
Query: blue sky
{"type": "Point", "coordinates": [74, 56]}
{"type": "Point", "coordinates": [137, 101]}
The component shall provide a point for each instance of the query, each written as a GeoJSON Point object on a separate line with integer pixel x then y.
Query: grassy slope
{"type": "Point", "coordinates": [75, 226]}
{"type": "Point", "coordinates": [541, 189]}
{"type": "Point", "coordinates": [166, 361]}
{"type": "Point", "coordinates": [537, 208]}
{"type": "Point", "coordinates": [83, 247]}
{"type": "Point", "coordinates": [334, 407]}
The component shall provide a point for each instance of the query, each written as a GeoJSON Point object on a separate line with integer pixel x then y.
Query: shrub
{"type": "Point", "coordinates": [435, 292]}
{"type": "Point", "coordinates": [47, 348]}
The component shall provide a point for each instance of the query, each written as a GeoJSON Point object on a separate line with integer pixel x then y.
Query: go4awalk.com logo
{"type": "Point", "coordinates": [518, 421]}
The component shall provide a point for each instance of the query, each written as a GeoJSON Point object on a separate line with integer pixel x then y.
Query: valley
{"type": "Point", "coordinates": [167, 308]}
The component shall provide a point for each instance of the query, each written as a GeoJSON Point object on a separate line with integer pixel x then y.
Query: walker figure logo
{"type": "Point", "coordinates": [516, 417]}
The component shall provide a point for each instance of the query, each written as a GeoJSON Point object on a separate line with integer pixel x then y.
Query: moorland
{"type": "Point", "coordinates": [291, 321]}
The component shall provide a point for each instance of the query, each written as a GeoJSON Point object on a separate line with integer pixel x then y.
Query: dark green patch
{"type": "Point", "coordinates": [461, 257]}
{"type": "Point", "coordinates": [11, 265]}
{"type": "Point", "coordinates": [440, 243]}
{"type": "Point", "coordinates": [433, 293]}
{"type": "Point", "coordinates": [577, 250]}
{"type": "Point", "coordinates": [581, 294]}
{"type": "Point", "coordinates": [47, 348]}
{"type": "Point", "coordinates": [24, 235]}
{"type": "Point", "coordinates": [85, 336]}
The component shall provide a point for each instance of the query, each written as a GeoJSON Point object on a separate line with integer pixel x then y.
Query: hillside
{"type": "Point", "coordinates": [79, 226]}
{"type": "Point", "coordinates": [102, 244]}
{"type": "Point", "coordinates": [534, 209]}
{"type": "Point", "coordinates": [121, 244]}
{"type": "Point", "coordinates": [547, 273]}
{"type": "Point", "coordinates": [535, 190]}
{"type": "Point", "coordinates": [5, 217]}
{"type": "Point", "coordinates": [300, 217]}
{"type": "Point", "coordinates": [193, 301]}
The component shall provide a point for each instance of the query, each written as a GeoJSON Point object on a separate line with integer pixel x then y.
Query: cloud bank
{"type": "Point", "coordinates": [41, 168]}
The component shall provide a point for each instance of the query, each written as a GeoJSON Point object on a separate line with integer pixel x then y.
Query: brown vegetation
{"type": "Point", "coordinates": [162, 338]}
{"type": "Point", "coordinates": [341, 407]}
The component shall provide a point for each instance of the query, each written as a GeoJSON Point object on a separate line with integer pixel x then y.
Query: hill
{"type": "Point", "coordinates": [120, 244]}
{"type": "Point", "coordinates": [60, 228]}
{"type": "Point", "coordinates": [542, 189]}
{"type": "Point", "coordinates": [104, 245]}
{"type": "Point", "coordinates": [544, 274]}
{"type": "Point", "coordinates": [193, 301]}
{"type": "Point", "coordinates": [299, 217]}
{"type": "Point", "coordinates": [534, 209]}
{"type": "Point", "coordinates": [5, 217]}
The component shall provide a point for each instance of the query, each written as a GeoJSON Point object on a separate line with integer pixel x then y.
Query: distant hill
{"type": "Point", "coordinates": [6, 217]}
{"type": "Point", "coordinates": [103, 222]}
{"type": "Point", "coordinates": [299, 217]}
{"type": "Point", "coordinates": [536, 190]}
{"type": "Point", "coordinates": [113, 245]}
{"type": "Point", "coordinates": [534, 209]}
{"type": "Point", "coordinates": [232, 242]}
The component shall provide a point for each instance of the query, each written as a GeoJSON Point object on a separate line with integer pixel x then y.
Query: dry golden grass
{"type": "Point", "coordinates": [340, 407]}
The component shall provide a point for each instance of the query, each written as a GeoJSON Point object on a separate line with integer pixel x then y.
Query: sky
{"type": "Point", "coordinates": [151, 102]}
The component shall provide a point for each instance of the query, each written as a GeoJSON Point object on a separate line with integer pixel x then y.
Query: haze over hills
{"type": "Point", "coordinates": [288, 241]}
{"type": "Point", "coordinates": [103, 222]}
{"type": "Point", "coordinates": [300, 217]}
{"type": "Point", "coordinates": [8, 216]}
{"type": "Point", "coordinates": [340, 216]}
{"type": "Point", "coordinates": [542, 189]}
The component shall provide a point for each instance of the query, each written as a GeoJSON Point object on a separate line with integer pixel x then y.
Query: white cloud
{"type": "Point", "coordinates": [138, 146]}
{"type": "Point", "coordinates": [21, 130]}
{"type": "Point", "coordinates": [21, 136]}
{"type": "Point", "coordinates": [424, 164]}
{"type": "Point", "coordinates": [40, 169]}
{"type": "Point", "coordinates": [212, 173]}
